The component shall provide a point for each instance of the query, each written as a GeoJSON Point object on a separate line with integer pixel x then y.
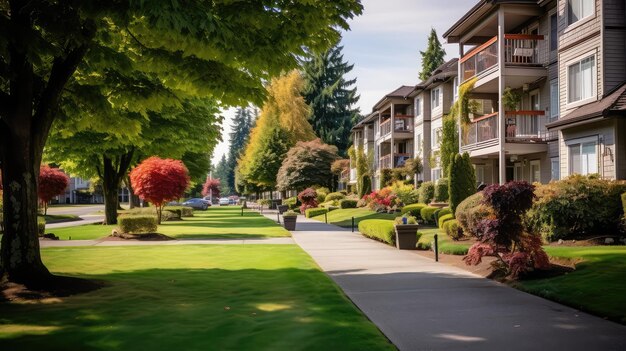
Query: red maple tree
{"type": "Point", "coordinates": [52, 182]}
{"type": "Point", "coordinates": [159, 181]}
{"type": "Point", "coordinates": [211, 187]}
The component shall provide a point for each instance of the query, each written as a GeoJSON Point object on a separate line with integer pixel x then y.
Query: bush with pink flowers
{"type": "Point", "coordinates": [308, 198]}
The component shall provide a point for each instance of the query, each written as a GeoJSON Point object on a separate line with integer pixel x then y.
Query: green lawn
{"type": "Point", "coordinates": [446, 244]}
{"type": "Point", "coordinates": [598, 284]}
{"type": "Point", "coordinates": [343, 216]}
{"type": "Point", "coordinates": [214, 223]}
{"type": "Point", "coordinates": [192, 297]}
{"type": "Point", "coordinates": [52, 218]}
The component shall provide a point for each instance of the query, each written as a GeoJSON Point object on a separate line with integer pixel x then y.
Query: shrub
{"type": "Point", "coordinates": [384, 199]}
{"type": "Point", "coordinates": [308, 198]}
{"type": "Point", "coordinates": [467, 214]}
{"type": "Point", "coordinates": [441, 190]}
{"type": "Point", "coordinates": [379, 229]}
{"type": "Point", "coordinates": [407, 194]}
{"type": "Point", "coordinates": [436, 215]}
{"type": "Point", "coordinates": [166, 215]}
{"type": "Point", "coordinates": [290, 213]}
{"type": "Point", "coordinates": [137, 224]}
{"type": "Point", "coordinates": [386, 177]}
{"type": "Point", "coordinates": [444, 211]}
{"type": "Point", "coordinates": [426, 192]}
{"type": "Point", "coordinates": [291, 202]}
{"type": "Point", "coordinates": [427, 214]}
{"type": "Point", "coordinates": [443, 219]}
{"type": "Point", "coordinates": [413, 209]}
{"type": "Point", "coordinates": [451, 228]}
{"type": "Point", "coordinates": [577, 207]}
{"type": "Point", "coordinates": [365, 186]}
{"type": "Point", "coordinates": [335, 196]}
{"type": "Point", "coordinates": [312, 212]}
{"type": "Point", "coordinates": [41, 226]}
{"type": "Point", "coordinates": [180, 211]}
{"type": "Point", "coordinates": [409, 219]}
{"type": "Point", "coordinates": [347, 203]}
{"type": "Point", "coordinates": [462, 180]}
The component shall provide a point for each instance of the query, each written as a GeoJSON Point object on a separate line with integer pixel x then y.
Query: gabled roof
{"type": "Point", "coordinates": [612, 103]}
{"type": "Point", "coordinates": [401, 92]}
{"type": "Point", "coordinates": [440, 74]}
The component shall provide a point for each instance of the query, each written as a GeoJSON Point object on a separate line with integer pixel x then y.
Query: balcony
{"type": "Point", "coordinates": [519, 50]}
{"type": "Point", "coordinates": [399, 159]}
{"type": "Point", "coordinates": [402, 124]}
{"type": "Point", "coordinates": [527, 127]}
{"type": "Point", "coordinates": [481, 130]}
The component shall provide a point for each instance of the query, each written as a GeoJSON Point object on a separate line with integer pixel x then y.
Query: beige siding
{"type": "Point", "coordinates": [605, 132]}
{"type": "Point", "coordinates": [614, 57]}
{"type": "Point", "coordinates": [620, 148]}
{"type": "Point", "coordinates": [569, 34]}
{"type": "Point", "coordinates": [590, 46]}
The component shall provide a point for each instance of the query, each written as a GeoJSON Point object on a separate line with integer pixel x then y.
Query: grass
{"type": "Point", "coordinates": [52, 218]}
{"type": "Point", "coordinates": [446, 244]}
{"type": "Point", "coordinates": [215, 223]}
{"type": "Point", "coordinates": [193, 297]}
{"type": "Point", "coordinates": [597, 285]}
{"type": "Point", "coordinates": [343, 217]}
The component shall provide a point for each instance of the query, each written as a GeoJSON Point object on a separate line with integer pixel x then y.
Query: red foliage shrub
{"type": "Point", "coordinates": [52, 182]}
{"type": "Point", "coordinates": [382, 199]}
{"type": "Point", "coordinates": [211, 187]}
{"type": "Point", "coordinates": [159, 181]}
{"type": "Point", "coordinates": [308, 198]}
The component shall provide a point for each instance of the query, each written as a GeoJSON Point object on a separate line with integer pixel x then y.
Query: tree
{"type": "Point", "coordinates": [449, 142]}
{"type": "Point", "coordinates": [413, 166]}
{"type": "Point", "coordinates": [159, 181]}
{"type": "Point", "coordinates": [239, 134]}
{"type": "Point", "coordinates": [433, 57]}
{"type": "Point", "coordinates": [307, 164]}
{"type": "Point", "coordinates": [204, 49]}
{"type": "Point", "coordinates": [52, 182]}
{"type": "Point", "coordinates": [211, 188]}
{"type": "Point", "coordinates": [221, 172]}
{"type": "Point", "coordinates": [331, 97]}
{"type": "Point", "coordinates": [462, 180]}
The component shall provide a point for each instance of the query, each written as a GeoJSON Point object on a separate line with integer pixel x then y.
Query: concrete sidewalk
{"type": "Point", "coordinates": [423, 305]}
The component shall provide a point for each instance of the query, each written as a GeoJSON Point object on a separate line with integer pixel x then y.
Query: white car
{"type": "Point", "coordinates": [224, 201]}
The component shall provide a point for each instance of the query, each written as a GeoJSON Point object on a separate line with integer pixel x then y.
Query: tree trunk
{"type": "Point", "coordinates": [113, 171]}
{"type": "Point", "coordinates": [133, 199]}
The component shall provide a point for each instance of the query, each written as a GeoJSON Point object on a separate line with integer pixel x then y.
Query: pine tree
{"type": "Point", "coordinates": [331, 97]}
{"type": "Point", "coordinates": [240, 131]}
{"type": "Point", "coordinates": [433, 57]}
{"type": "Point", "coordinates": [221, 173]}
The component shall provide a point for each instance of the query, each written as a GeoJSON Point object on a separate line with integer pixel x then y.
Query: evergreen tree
{"type": "Point", "coordinates": [462, 179]}
{"type": "Point", "coordinates": [221, 173]}
{"type": "Point", "coordinates": [240, 131]}
{"type": "Point", "coordinates": [449, 142]}
{"type": "Point", "coordinates": [433, 57]}
{"type": "Point", "coordinates": [331, 97]}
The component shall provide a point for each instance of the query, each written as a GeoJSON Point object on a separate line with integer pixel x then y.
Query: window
{"type": "Point", "coordinates": [579, 9]}
{"type": "Point", "coordinates": [554, 30]}
{"type": "Point", "coordinates": [535, 171]}
{"type": "Point", "coordinates": [555, 168]}
{"type": "Point", "coordinates": [434, 98]}
{"type": "Point", "coordinates": [418, 106]}
{"type": "Point", "coordinates": [554, 98]}
{"type": "Point", "coordinates": [418, 144]}
{"type": "Point", "coordinates": [435, 137]}
{"type": "Point", "coordinates": [583, 158]}
{"type": "Point", "coordinates": [436, 174]}
{"type": "Point", "coordinates": [455, 87]}
{"type": "Point", "coordinates": [581, 80]}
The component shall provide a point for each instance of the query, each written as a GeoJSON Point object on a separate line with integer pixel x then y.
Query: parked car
{"type": "Point", "coordinates": [197, 203]}
{"type": "Point", "coordinates": [224, 201]}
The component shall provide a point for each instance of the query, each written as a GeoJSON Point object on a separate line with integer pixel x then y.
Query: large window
{"type": "Point", "coordinates": [554, 98]}
{"type": "Point", "coordinates": [434, 98]}
{"type": "Point", "coordinates": [554, 30]}
{"type": "Point", "coordinates": [435, 137]}
{"type": "Point", "coordinates": [581, 80]}
{"type": "Point", "coordinates": [583, 158]}
{"type": "Point", "coordinates": [579, 9]}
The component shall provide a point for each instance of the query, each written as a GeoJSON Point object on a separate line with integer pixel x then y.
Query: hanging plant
{"type": "Point", "coordinates": [463, 105]}
{"type": "Point", "coordinates": [511, 99]}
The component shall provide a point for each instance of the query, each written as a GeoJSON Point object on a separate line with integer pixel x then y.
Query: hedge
{"type": "Point", "coordinates": [378, 229]}
{"type": "Point", "coordinates": [444, 211]}
{"type": "Point", "coordinates": [426, 192]}
{"type": "Point", "coordinates": [443, 219]}
{"type": "Point", "coordinates": [316, 211]}
{"type": "Point", "coordinates": [441, 190]}
{"type": "Point", "coordinates": [347, 203]}
{"type": "Point", "coordinates": [451, 228]}
{"type": "Point", "coordinates": [386, 177]}
{"type": "Point", "coordinates": [137, 224]}
{"type": "Point", "coordinates": [334, 197]}
{"type": "Point", "coordinates": [413, 209]}
{"type": "Point", "coordinates": [166, 215]}
{"type": "Point", "coordinates": [468, 215]}
{"type": "Point", "coordinates": [427, 214]}
{"type": "Point", "coordinates": [180, 211]}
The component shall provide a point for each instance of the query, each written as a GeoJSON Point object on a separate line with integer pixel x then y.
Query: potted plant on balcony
{"type": "Point", "coordinates": [289, 220]}
{"type": "Point", "coordinates": [406, 232]}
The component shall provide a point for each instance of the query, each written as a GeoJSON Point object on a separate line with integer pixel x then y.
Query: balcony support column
{"type": "Point", "coordinates": [501, 117]}
{"type": "Point", "coordinates": [393, 130]}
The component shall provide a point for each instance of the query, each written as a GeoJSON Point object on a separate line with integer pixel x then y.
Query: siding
{"type": "Point", "coordinates": [589, 46]}
{"type": "Point", "coordinates": [620, 148]}
{"type": "Point", "coordinates": [614, 57]}
{"type": "Point", "coordinates": [603, 130]}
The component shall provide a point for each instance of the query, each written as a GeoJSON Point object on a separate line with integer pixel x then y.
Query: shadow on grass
{"type": "Point", "coordinates": [347, 223]}
{"type": "Point", "coordinates": [199, 309]}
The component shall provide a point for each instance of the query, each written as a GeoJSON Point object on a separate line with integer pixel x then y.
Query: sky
{"type": "Point", "coordinates": [384, 45]}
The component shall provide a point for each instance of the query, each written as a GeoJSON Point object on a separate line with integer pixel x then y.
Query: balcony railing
{"type": "Point", "coordinates": [399, 159]}
{"type": "Point", "coordinates": [385, 127]}
{"type": "Point", "coordinates": [403, 124]}
{"type": "Point", "coordinates": [527, 126]}
{"type": "Point", "coordinates": [481, 129]}
{"type": "Point", "coordinates": [519, 49]}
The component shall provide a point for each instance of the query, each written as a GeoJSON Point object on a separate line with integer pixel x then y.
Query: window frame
{"type": "Point", "coordinates": [532, 163]}
{"type": "Point", "coordinates": [554, 110]}
{"type": "Point", "coordinates": [580, 142]}
{"type": "Point", "coordinates": [434, 95]}
{"type": "Point", "coordinates": [581, 20]}
{"type": "Point", "coordinates": [418, 106]}
{"type": "Point", "coordinates": [594, 85]}
{"type": "Point", "coordinates": [554, 160]}
{"type": "Point", "coordinates": [554, 32]}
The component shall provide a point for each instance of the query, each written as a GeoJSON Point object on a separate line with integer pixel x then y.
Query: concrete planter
{"type": "Point", "coordinates": [282, 208]}
{"type": "Point", "coordinates": [290, 222]}
{"type": "Point", "coordinates": [406, 236]}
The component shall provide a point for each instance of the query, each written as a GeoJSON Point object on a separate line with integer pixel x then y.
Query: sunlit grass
{"type": "Point", "coordinates": [343, 217]}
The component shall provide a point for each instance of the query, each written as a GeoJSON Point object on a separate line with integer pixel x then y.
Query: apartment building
{"type": "Point", "coordinates": [549, 82]}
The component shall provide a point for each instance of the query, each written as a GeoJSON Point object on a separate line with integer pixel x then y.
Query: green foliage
{"type": "Point", "coordinates": [427, 213]}
{"type": "Point", "coordinates": [443, 219]}
{"type": "Point", "coordinates": [181, 211]}
{"type": "Point", "coordinates": [577, 207]}
{"type": "Point", "coordinates": [307, 164]}
{"type": "Point", "coordinates": [413, 166]}
{"type": "Point", "coordinates": [334, 196]}
{"type": "Point", "coordinates": [446, 244]}
{"type": "Point", "coordinates": [511, 99]}
{"type": "Point", "coordinates": [347, 203]}
{"type": "Point", "coordinates": [448, 143]}
{"type": "Point", "coordinates": [470, 212]}
{"type": "Point", "coordinates": [379, 229]}
{"type": "Point", "coordinates": [409, 219]}
{"type": "Point", "coordinates": [41, 226]}
{"type": "Point", "coordinates": [366, 186]}
{"type": "Point", "coordinates": [433, 57]}
{"type": "Point", "coordinates": [331, 97]}
{"type": "Point", "coordinates": [242, 124]}
{"type": "Point", "coordinates": [290, 213]}
{"type": "Point", "coordinates": [137, 224]}
{"type": "Point", "coordinates": [406, 193]}
{"type": "Point", "coordinates": [414, 210]}
{"type": "Point", "coordinates": [463, 106]}
{"type": "Point", "coordinates": [292, 202]}
{"type": "Point", "coordinates": [316, 211]}
{"type": "Point", "coordinates": [166, 215]}
{"type": "Point", "coordinates": [426, 192]}
{"type": "Point", "coordinates": [462, 180]}
{"type": "Point", "coordinates": [444, 211]}
{"type": "Point", "coordinates": [623, 203]}
{"type": "Point", "coordinates": [221, 173]}
{"type": "Point", "coordinates": [451, 229]}
{"type": "Point", "coordinates": [441, 190]}
{"type": "Point", "coordinates": [386, 177]}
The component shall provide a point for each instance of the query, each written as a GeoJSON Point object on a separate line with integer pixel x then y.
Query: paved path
{"type": "Point", "coordinates": [85, 212]}
{"type": "Point", "coordinates": [423, 305]}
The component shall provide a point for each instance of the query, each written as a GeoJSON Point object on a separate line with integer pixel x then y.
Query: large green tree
{"type": "Point", "coordinates": [307, 164]}
{"type": "Point", "coordinates": [221, 48]}
{"type": "Point", "coordinates": [239, 135]}
{"type": "Point", "coordinates": [221, 173]}
{"type": "Point", "coordinates": [433, 57]}
{"type": "Point", "coordinates": [332, 97]}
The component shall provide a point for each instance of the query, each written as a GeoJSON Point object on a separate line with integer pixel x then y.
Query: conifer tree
{"type": "Point", "coordinates": [221, 172]}
{"type": "Point", "coordinates": [240, 132]}
{"type": "Point", "coordinates": [433, 57]}
{"type": "Point", "coordinates": [332, 97]}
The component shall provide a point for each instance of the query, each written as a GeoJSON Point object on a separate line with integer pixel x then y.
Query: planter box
{"type": "Point", "coordinates": [406, 236]}
{"type": "Point", "coordinates": [289, 223]}
{"type": "Point", "coordinates": [282, 208]}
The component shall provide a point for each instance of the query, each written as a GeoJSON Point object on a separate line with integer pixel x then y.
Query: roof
{"type": "Point", "coordinates": [440, 74]}
{"type": "Point", "coordinates": [612, 103]}
{"type": "Point", "coordinates": [401, 92]}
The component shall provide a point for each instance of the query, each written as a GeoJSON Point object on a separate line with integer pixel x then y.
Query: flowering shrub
{"type": "Point", "coordinates": [384, 199]}
{"type": "Point", "coordinates": [308, 198]}
{"type": "Point", "coordinates": [503, 235]}
{"type": "Point", "coordinates": [406, 193]}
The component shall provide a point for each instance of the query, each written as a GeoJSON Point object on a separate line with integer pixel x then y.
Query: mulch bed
{"type": "Point", "coordinates": [48, 292]}
{"type": "Point", "coordinates": [138, 237]}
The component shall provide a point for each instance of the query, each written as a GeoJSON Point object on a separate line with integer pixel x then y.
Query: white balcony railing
{"type": "Point", "coordinates": [527, 126]}
{"type": "Point", "coordinates": [481, 129]}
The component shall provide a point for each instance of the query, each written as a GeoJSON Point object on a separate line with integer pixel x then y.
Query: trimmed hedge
{"type": "Point", "coordinates": [467, 214]}
{"type": "Point", "coordinates": [316, 211]}
{"type": "Point", "coordinates": [378, 229]}
{"type": "Point", "coordinates": [347, 203]}
{"type": "Point", "coordinates": [426, 192]}
{"type": "Point", "coordinates": [334, 197]}
{"type": "Point", "coordinates": [441, 190]}
{"type": "Point", "coordinates": [166, 215]}
{"type": "Point", "coordinates": [427, 214]}
{"type": "Point", "coordinates": [443, 219]}
{"type": "Point", "coordinates": [444, 211]}
{"type": "Point", "coordinates": [452, 229]}
{"type": "Point", "coordinates": [413, 209]}
{"type": "Point", "coordinates": [180, 211]}
{"type": "Point", "coordinates": [137, 224]}
{"type": "Point", "coordinates": [292, 202]}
